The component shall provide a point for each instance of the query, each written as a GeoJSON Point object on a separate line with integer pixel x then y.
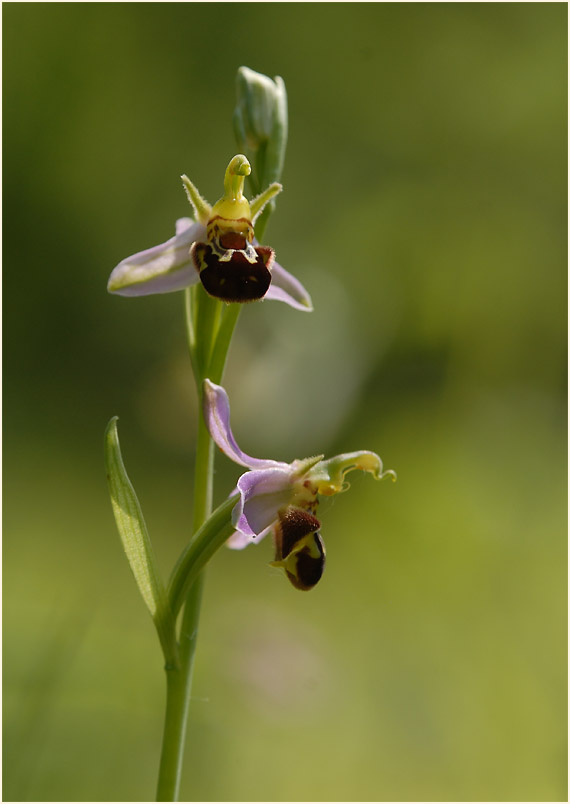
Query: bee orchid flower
{"type": "Point", "coordinates": [282, 498]}
{"type": "Point", "coordinates": [217, 248]}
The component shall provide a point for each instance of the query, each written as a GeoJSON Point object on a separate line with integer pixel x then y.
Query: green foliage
{"type": "Point", "coordinates": [136, 542]}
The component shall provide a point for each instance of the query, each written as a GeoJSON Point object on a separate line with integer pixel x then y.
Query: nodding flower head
{"type": "Point", "coordinates": [282, 498]}
{"type": "Point", "coordinates": [217, 248]}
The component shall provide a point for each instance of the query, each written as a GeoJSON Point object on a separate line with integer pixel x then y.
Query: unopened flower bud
{"type": "Point", "coordinates": [261, 108]}
{"type": "Point", "coordinates": [260, 125]}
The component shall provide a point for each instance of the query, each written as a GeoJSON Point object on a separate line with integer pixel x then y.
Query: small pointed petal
{"type": "Point", "coordinates": [201, 208]}
{"type": "Point", "coordinates": [263, 492]}
{"type": "Point", "coordinates": [259, 202]}
{"type": "Point", "coordinates": [302, 466]}
{"type": "Point", "coordinates": [162, 269]}
{"type": "Point", "coordinates": [287, 288]}
{"type": "Point", "coordinates": [217, 417]}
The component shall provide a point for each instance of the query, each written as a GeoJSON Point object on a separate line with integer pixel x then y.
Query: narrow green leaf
{"type": "Point", "coordinates": [215, 531]}
{"type": "Point", "coordinates": [136, 541]}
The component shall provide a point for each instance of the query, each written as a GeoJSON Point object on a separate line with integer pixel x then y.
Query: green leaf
{"type": "Point", "coordinates": [136, 541]}
{"type": "Point", "coordinates": [215, 532]}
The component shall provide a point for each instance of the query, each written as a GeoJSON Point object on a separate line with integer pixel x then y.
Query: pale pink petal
{"type": "Point", "coordinates": [263, 492]}
{"type": "Point", "coordinates": [162, 269]}
{"type": "Point", "coordinates": [217, 417]}
{"type": "Point", "coordinates": [287, 288]}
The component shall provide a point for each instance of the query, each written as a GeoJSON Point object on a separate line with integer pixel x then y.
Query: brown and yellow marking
{"type": "Point", "coordinates": [299, 548]}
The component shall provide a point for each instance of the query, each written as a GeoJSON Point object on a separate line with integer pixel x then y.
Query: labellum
{"type": "Point", "coordinates": [299, 548]}
{"type": "Point", "coordinates": [230, 267]}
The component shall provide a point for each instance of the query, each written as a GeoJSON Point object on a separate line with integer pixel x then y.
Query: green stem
{"type": "Point", "coordinates": [179, 681]}
{"type": "Point", "coordinates": [189, 318]}
{"type": "Point", "coordinates": [203, 322]}
{"type": "Point", "coordinates": [178, 689]}
{"type": "Point", "coordinates": [204, 469]}
{"type": "Point", "coordinates": [224, 336]}
{"type": "Point", "coordinates": [202, 329]}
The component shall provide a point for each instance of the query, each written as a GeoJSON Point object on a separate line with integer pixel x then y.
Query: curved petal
{"type": "Point", "coordinates": [287, 288]}
{"type": "Point", "coordinates": [217, 416]}
{"type": "Point", "coordinates": [161, 269]}
{"type": "Point", "coordinates": [262, 493]}
{"type": "Point", "coordinates": [328, 476]}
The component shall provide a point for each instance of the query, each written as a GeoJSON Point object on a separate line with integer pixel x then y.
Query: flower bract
{"type": "Point", "coordinates": [282, 498]}
{"type": "Point", "coordinates": [217, 248]}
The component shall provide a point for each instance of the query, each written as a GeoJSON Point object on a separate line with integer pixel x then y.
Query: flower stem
{"type": "Point", "coordinates": [204, 469]}
{"type": "Point", "coordinates": [202, 332]}
{"type": "Point", "coordinates": [179, 680]}
{"type": "Point", "coordinates": [222, 344]}
{"type": "Point", "coordinates": [209, 329]}
{"type": "Point", "coordinates": [178, 689]}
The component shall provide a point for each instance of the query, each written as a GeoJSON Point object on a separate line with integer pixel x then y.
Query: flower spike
{"type": "Point", "coordinates": [283, 497]}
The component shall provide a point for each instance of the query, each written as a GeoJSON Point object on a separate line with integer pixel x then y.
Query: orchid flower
{"type": "Point", "coordinates": [283, 497]}
{"type": "Point", "coordinates": [218, 248]}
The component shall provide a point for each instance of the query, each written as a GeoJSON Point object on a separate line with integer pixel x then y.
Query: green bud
{"type": "Point", "coordinates": [260, 123]}
{"type": "Point", "coordinates": [260, 100]}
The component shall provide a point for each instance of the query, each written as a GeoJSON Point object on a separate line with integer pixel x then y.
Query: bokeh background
{"type": "Point", "coordinates": [425, 210]}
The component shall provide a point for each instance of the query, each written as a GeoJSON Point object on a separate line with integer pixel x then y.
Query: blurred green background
{"type": "Point", "coordinates": [425, 211]}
